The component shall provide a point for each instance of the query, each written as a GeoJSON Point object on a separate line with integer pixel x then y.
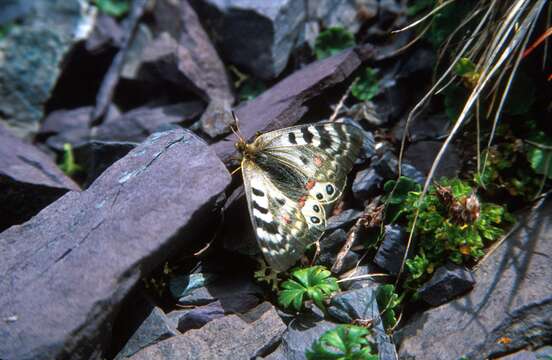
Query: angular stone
{"type": "Point", "coordinates": [229, 337]}
{"type": "Point", "coordinates": [156, 327]}
{"type": "Point", "coordinates": [390, 254]}
{"type": "Point", "coordinates": [256, 35]}
{"type": "Point", "coordinates": [285, 103]}
{"type": "Point", "coordinates": [331, 13]}
{"type": "Point", "coordinates": [360, 304]}
{"type": "Point", "coordinates": [137, 124]}
{"type": "Point", "coordinates": [31, 59]}
{"type": "Point", "coordinates": [366, 184]}
{"type": "Point", "coordinates": [448, 282]}
{"type": "Point", "coordinates": [422, 154]}
{"type": "Point", "coordinates": [344, 219]}
{"type": "Point", "coordinates": [65, 120]}
{"type": "Point", "coordinates": [305, 329]}
{"type": "Point", "coordinates": [106, 33]}
{"type": "Point", "coordinates": [29, 180]}
{"type": "Point", "coordinates": [413, 173]}
{"type": "Point", "coordinates": [70, 267]}
{"type": "Point", "coordinates": [330, 245]}
{"type": "Point", "coordinates": [512, 300]}
{"type": "Point", "coordinates": [359, 283]}
{"type": "Point", "coordinates": [386, 165]}
{"type": "Point", "coordinates": [227, 287]}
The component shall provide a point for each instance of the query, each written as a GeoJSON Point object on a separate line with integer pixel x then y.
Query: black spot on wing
{"type": "Point", "coordinates": [282, 202]}
{"type": "Point", "coordinates": [257, 192]}
{"type": "Point", "coordinates": [260, 208]}
{"type": "Point", "coordinates": [307, 136]}
{"type": "Point", "coordinates": [304, 160]}
{"type": "Point", "coordinates": [291, 138]}
{"type": "Point", "coordinates": [269, 227]}
{"type": "Point", "coordinates": [325, 137]}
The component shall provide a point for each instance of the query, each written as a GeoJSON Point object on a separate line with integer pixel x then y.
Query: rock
{"type": "Point", "coordinates": [285, 103]}
{"type": "Point", "coordinates": [31, 59]}
{"type": "Point", "coordinates": [530, 355]}
{"type": "Point", "coordinates": [413, 173]}
{"type": "Point", "coordinates": [106, 33]}
{"type": "Point", "coordinates": [142, 38]}
{"type": "Point", "coordinates": [357, 304]}
{"type": "Point", "coordinates": [330, 245]}
{"type": "Point", "coordinates": [361, 305]}
{"type": "Point", "coordinates": [137, 124]}
{"type": "Point", "coordinates": [386, 166]}
{"type": "Point", "coordinates": [359, 283]}
{"type": "Point", "coordinates": [225, 288]}
{"type": "Point", "coordinates": [156, 327]}
{"type": "Point", "coordinates": [422, 154]}
{"type": "Point", "coordinates": [390, 254]}
{"type": "Point", "coordinates": [66, 120]}
{"type": "Point", "coordinates": [229, 337]}
{"type": "Point", "coordinates": [367, 182]}
{"type": "Point", "coordinates": [509, 308]}
{"type": "Point", "coordinates": [183, 285]}
{"type": "Point", "coordinates": [96, 156]}
{"type": "Point", "coordinates": [434, 127]}
{"type": "Point", "coordinates": [305, 329]}
{"type": "Point", "coordinates": [259, 36]}
{"type": "Point", "coordinates": [86, 251]}
{"type": "Point", "coordinates": [448, 282]}
{"type": "Point", "coordinates": [199, 316]}
{"type": "Point", "coordinates": [347, 14]}
{"type": "Point", "coordinates": [344, 219]}
{"type": "Point", "coordinates": [29, 180]}
{"type": "Point", "coordinates": [368, 147]}
{"type": "Point", "coordinates": [217, 118]}
{"type": "Point", "coordinates": [12, 10]}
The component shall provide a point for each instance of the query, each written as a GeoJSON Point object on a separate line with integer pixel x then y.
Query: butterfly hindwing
{"type": "Point", "coordinates": [294, 174]}
{"type": "Point", "coordinates": [283, 225]}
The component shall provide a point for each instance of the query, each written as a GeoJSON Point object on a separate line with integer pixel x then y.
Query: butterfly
{"type": "Point", "coordinates": [292, 176]}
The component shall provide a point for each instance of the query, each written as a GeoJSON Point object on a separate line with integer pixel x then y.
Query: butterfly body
{"type": "Point", "coordinates": [291, 178]}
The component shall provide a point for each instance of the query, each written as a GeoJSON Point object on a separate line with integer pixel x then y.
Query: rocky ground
{"type": "Point", "coordinates": [146, 250]}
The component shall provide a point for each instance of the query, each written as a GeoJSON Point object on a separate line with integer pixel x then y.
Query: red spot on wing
{"type": "Point", "coordinates": [317, 161]}
{"type": "Point", "coordinates": [310, 184]}
{"type": "Point", "coordinates": [286, 219]}
{"type": "Point", "coordinates": [301, 202]}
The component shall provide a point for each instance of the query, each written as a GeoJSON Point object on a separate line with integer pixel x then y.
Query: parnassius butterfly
{"type": "Point", "coordinates": [292, 176]}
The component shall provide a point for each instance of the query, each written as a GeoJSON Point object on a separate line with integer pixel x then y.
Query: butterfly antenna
{"type": "Point", "coordinates": [236, 127]}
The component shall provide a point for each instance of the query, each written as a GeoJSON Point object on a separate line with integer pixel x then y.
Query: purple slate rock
{"type": "Point", "coordinates": [230, 337]}
{"type": "Point", "coordinates": [448, 282]}
{"type": "Point", "coordinates": [65, 272]}
{"type": "Point", "coordinates": [285, 103]}
{"type": "Point", "coordinates": [29, 180]}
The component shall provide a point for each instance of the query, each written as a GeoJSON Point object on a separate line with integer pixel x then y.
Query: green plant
{"type": "Point", "coordinates": [332, 41]}
{"type": "Point", "coordinates": [68, 165]}
{"type": "Point", "coordinates": [115, 8]}
{"type": "Point", "coordinates": [367, 86]}
{"type": "Point", "coordinates": [314, 283]}
{"type": "Point", "coordinates": [388, 302]}
{"type": "Point", "coordinates": [452, 224]}
{"type": "Point", "coordinates": [250, 89]}
{"type": "Point", "coordinates": [539, 154]}
{"type": "Point", "coordinates": [345, 342]}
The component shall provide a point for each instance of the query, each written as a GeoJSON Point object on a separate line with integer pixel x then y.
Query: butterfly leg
{"type": "Point", "coordinates": [316, 252]}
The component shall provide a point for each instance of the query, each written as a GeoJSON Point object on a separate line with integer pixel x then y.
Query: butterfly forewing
{"type": "Point", "coordinates": [294, 174]}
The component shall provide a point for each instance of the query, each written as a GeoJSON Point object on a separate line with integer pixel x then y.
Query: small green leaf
{"type": "Point", "coordinates": [332, 41]}
{"type": "Point", "coordinates": [115, 8]}
{"type": "Point", "coordinates": [540, 158]}
{"type": "Point", "coordinates": [464, 67]}
{"type": "Point", "coordinates": [250, 89]}
{"type": "Point", "coordinates": [388, 301]}
{"type": "Point", "coordinates": [367, 86]}
{"type": "Point", "coordinates": [314, 283]}
{"type": "Point", "coordinates": [68, 165]}
{"type": "Point", "coordinates": [344, 342]}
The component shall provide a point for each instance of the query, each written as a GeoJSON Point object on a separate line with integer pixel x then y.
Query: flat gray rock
{"type": "Point", "coordinates": [257, 35]}
{"type": "Point", "coordinates": [31, 59]}
{"type": "Point", "coordinates": [64, 273]}
{"type": "Point", "coordinates": [512, 300]}
{"type": "Point", "coordinates": [29, 180]}
{"type": "Point", "coordinates": [229, 337]}
{"type": "Point", "coordinates": [285, 103]}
